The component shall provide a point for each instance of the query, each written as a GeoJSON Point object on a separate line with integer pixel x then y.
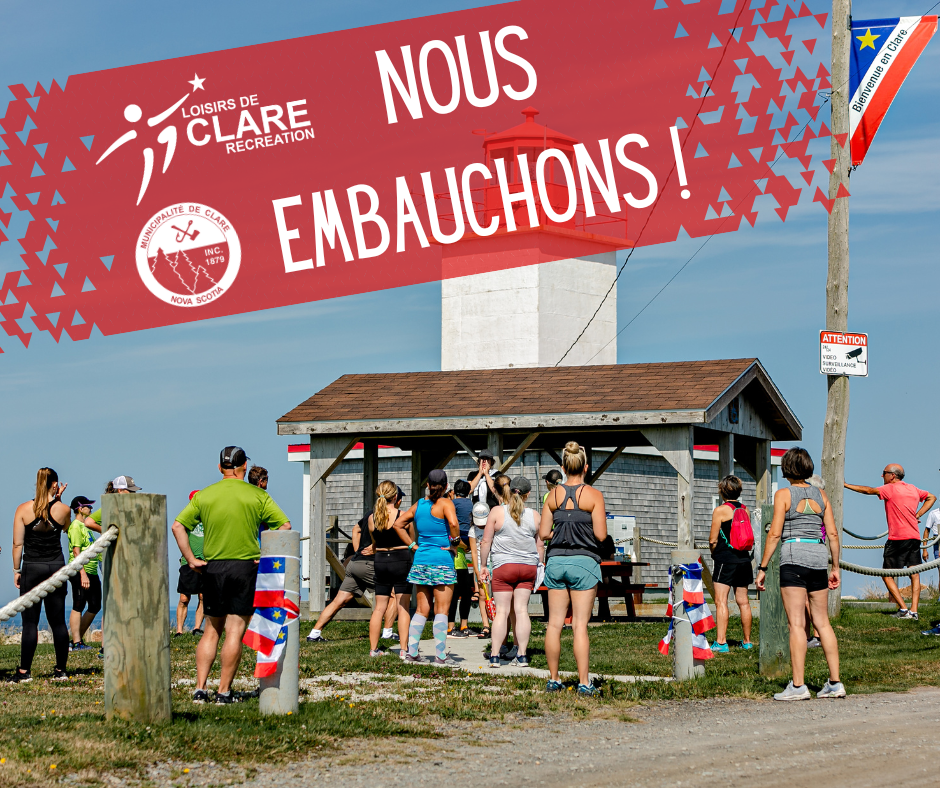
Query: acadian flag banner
{"type": "Point", "coordinates": [267, 631]}
{"type": "Point", "coordinates": [693, 604]}
{"type": "Point", "coordinates": [883, 53]}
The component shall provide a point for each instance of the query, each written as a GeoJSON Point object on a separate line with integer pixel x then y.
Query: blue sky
{"type": "Point", "coordinates": [159, 404]}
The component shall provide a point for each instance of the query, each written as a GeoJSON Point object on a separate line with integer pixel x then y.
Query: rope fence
{"type": "Point", "coordinates": [698, 546]}
{"type": "Point", "coordinates": [49, 585]}
{"type": "Point", "coordinates": [910, 570]}
{"type": "Point", "coordinates": [866, 538]}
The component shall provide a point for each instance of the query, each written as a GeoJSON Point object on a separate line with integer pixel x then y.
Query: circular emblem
{"type": "Point", "coordinates": [188, 254]}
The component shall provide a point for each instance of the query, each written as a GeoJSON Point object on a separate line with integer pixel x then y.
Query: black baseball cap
{"type": "Point", "coordinates": [233, 457]}
{"type": "Point", "coordinates": [79, 501]}
{"type": "Point", "coordinates": [521, 485]}
{"type": "Point", "coordinates": [486, 454]}
{"type": "Point", "coordinates": [437, 476]}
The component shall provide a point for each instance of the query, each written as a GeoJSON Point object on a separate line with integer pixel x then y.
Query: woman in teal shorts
{"type": "Point", "coordinates": [575, 520]}
{"type": "Point", "coordinates": [436, 533]}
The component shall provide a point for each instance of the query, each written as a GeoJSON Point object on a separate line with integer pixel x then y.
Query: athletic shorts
{"type": "Point", "coordinates": [86, 597]}
{"type": "Point", "coordinates": [900, 553]}
{"type": "Point", "coordinates": [734, 575]}
{"type": "Point", "coordinates": [190, 582]}
{"type": "Point", "coordinates": [509, 577]}
{"type": "Point", "coordinates": [574, 572]}
{"type": "Point", "coordinates": [360, 577]}
{"type": "Point", "coordinates": [793, 576]}
{"type": "Point", "coordinates": [391, 572]}
{"type": "Point", "coordinates": [228, 588]}
{"type": "Point", "coordinates": [432, 575]}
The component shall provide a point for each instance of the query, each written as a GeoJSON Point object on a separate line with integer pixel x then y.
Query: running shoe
{"type": "Point", "coordinates": [19, 677]}
{"type": "Point", "coordinates": [719, 648]}
{"type": "Point", "coordinates": [902, 613]}
{"type": "Point", "coordinates": [200, 696]}
{"type": "Point", "coordinates": [224, 698]}
{"type": "Point", "coordinates": [377, 653]}
{"type": "Point", "coordinates": [794, 693]}
{"type": "Point", "coordinates": [79, 647]}
{"type": "Point", "coordinates": [175, 634]}
{"type": "Point", "coordinates": [508, 653]}
{"type": "Point", "coordinates": [59, 675]}
{"type": "Point", "coordinates": [412, 660]}
{"type": "Point", "coordinates": [459, 633]}
{"type": "Point", "coordinates": [813, 643]}
{"type": "Point", "coordinates": [197, 632]}
{"type": "Point", "coordinates": [589, 690]}
{"type": "Point", "coordinates": [747, 646]}
{"type": "Point", "coordinates": [522, 661]}
{"type": "Point", "coordinates": [394, 636]}
{"type": "Point", "coordinates": [316, 639]}
{"type": "Point", "coordinates": [447, 662]}
{"type": "Point", "coordinates": [494, 662]}
{"type": "Point", "coordinates": [934, 631]}
{"type": "Point", "coordinates": [912, 614]}
{"type": "Point", "coordinates": [831, 689]}
{"type": "Point", "coordinates": [553, 686]}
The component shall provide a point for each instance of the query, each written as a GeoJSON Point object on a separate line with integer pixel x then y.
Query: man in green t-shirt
{"type": "Point", "coordinates": [86, 586]}
{"type": "Point", "coordinates": [231, 512]}
{"type": "Point", "coordinates": [190, 581]}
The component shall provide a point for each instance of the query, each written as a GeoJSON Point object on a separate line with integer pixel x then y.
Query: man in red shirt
{"type": "Point", "coordinates": [903, 546]}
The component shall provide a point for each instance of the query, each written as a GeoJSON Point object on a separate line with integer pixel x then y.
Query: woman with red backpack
{"type": "Point", "coordinates": [731, 541]}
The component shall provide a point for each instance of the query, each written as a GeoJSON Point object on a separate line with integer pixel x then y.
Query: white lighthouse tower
{"type": "Point", "coordinates": [519, 299]}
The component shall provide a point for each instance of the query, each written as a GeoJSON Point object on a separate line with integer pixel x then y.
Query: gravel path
{"type": "Point", "coordinates": [865, 740]}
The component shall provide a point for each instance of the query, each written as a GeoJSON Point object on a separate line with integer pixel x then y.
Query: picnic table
{"type": "Point", "coordinates": [617, 583]}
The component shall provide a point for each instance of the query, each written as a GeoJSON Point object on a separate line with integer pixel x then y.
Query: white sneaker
{"type": "Point", "coordinates": [831, 689]}
{"type": "Point", "coordinates": [813, 643]}
{"type": "Point", "coordinates": [792, 693]}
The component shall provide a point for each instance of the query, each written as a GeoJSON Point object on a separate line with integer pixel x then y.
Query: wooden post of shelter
{"type": "Point", "coordinates": [836, 425]}
{"type": "Point", "coordinates": [326, 452]}
{"type": "Point", "coordinates": [135, 624]}
{"type": "Point", "coordinates": [370, 473]}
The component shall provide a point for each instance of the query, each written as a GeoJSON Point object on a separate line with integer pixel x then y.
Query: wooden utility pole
{"type": "Point", "coordinates": [837, 284]}
{"type": "Point", "coordinates": [135, 627]}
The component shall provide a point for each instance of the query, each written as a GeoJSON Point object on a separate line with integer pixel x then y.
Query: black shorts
{"type": "Point", "coordinates": [793, 576]}
{"type": "Point", "coordinates": [900, 553]}
{"type": "Point", "coordinates": [86, 597]}
{"type": "Point", "coordinates": [734, 575]}
{"type": "Point", "coordinates": [391, 572]}
{"type": "Point", "coordinates": [190, 582]}
{"type": "Point", "coordinates": [228, 588]}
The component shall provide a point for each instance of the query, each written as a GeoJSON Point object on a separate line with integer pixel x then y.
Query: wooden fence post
{"type": "Point", "coordinates": [136, 621]}
{"type": "Point", "coordinates": [774, 629]}
{"type": "Point", "coordinates": [280, 692]}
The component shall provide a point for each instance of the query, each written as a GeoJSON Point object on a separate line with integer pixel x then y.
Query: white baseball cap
{"type": "Point", "coordinates": [125, 483]}
{"type": "Point", "coordinates": [480, 512]}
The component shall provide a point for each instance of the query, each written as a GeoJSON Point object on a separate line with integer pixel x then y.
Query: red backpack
{"type": "Point", "coordinates": [742, 535]}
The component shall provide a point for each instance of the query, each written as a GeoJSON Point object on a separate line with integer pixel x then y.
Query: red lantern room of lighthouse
{"type": "Point", "coordinates": [541, 282]}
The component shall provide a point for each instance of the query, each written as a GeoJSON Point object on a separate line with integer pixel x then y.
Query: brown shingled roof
{"type": "Point", "coordinates": [687, 385]}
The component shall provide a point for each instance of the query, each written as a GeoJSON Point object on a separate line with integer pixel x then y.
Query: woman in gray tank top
{"type": "Point", "coordinates": [804, 524]}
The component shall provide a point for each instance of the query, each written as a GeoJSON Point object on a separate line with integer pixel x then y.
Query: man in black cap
{"type": "Point", "coordinates": [481, 481]}
{"type": "Point", "coordinates": [231, 513]}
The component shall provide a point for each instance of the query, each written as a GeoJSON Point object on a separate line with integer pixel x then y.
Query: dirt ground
{"type": "Point", "coordinates": [865, 740]}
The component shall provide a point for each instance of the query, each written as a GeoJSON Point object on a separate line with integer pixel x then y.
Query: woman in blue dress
{"type": "Point", "coordinates": [436, 535]}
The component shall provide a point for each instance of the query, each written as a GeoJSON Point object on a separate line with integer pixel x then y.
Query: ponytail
{"type": "Point", "coordinates": [573, 458]}
{"type": "Point", "coordinates": [386, 493]}
{"type": "Point", "coordinates": [516, 507]}
{"type": "Point", "coordinates": [43, 500]}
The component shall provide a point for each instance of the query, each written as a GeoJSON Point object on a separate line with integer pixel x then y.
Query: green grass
{"type": "Point", "coordinates": [63, 724]}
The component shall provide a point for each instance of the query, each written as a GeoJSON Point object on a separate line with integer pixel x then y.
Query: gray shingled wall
{"type": "Point", "coordinates": [639, 485]}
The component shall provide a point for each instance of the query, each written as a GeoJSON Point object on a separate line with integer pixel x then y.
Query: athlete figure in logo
{"type": "Point", "coordinates": [167, 136]}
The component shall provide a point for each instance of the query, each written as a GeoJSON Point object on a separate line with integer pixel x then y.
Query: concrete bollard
{"type": "Point", "coordinates": [683, 663]}
{"type": "Point", "coordinates": [280, 692]}
{"type": "Point", "coordinates": [135, 624]}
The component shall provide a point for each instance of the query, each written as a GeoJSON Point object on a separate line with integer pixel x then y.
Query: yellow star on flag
{"type": "Point", "coordinates": [280, 635]}
{"type": "Point", "coordinates": [276, 564]}
{"type": "Point", "coordinates": [868, 40]}
{"type": "Point", "coordinates": [277, 615]}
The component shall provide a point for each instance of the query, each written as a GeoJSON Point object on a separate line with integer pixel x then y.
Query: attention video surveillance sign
{"type": "Point", "coordinates": [843, 354]}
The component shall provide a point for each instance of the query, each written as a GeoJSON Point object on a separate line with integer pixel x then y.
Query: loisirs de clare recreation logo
{"type": "Point", "coordinates": [188, 254]}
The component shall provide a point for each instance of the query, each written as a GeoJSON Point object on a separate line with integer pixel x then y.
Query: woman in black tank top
{"type": "Point", "coordinates": [37, 555]}
{"type": "Point", "coordinates": [393, 552]}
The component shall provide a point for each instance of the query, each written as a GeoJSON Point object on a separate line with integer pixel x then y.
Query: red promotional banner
{"type": "Point", "coordinates": [402, 153]}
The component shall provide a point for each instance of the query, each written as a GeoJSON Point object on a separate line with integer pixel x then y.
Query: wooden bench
{"type": "Point", "coordinates": [617, 585]}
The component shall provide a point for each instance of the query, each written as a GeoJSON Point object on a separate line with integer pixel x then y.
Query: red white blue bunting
{"type": "Point", "coordinates": [692, 607]}
{"type": "Point", "coordinates": [274, 609]}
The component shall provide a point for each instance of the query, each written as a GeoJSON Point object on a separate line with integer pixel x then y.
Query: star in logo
{"type": "Point", "coordinates": [868, 40]}
{"type": "Point", "coordinates": [167, 136]}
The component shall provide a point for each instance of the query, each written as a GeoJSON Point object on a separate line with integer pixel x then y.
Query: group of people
{"type": "Point", "coordinates": [457, 541]}
{"type": "Point", "coordinates": [450, 546]}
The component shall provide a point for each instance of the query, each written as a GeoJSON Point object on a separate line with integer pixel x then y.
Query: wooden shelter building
{"type": "Point", "coordinates": [671, 407]}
